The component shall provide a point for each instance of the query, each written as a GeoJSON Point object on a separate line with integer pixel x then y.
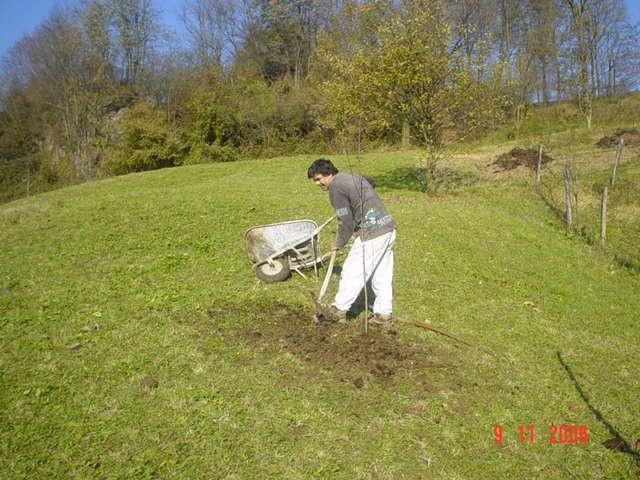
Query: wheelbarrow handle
{"type": "Point", "coordinates": [327, 275]}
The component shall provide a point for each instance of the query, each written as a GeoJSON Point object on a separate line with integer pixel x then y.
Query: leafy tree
{"type": "Point", "coordinates": [408, 74]}
{"type": "Point", "coordinates": [209, 117]}
{"type": "Point", "coordinates": [57, 71]}
{"type": "Point", "coordinates": [279, 37]}
{"type": "Point", "coordinates": [141, 140]}
{"type": "Point", "coordinates": [19, 159]}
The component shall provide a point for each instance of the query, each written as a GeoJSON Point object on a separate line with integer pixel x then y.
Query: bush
{"type": "Point", "coordinates": [141, 140]}
{"type": "Point", "coordinates": [205, 153]}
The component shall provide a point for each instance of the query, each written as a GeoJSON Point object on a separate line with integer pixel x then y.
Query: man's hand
{"type": "Point", "coordinates": [334, 248]}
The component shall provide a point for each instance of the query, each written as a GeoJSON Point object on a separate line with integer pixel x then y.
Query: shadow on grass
{"type": "Point", "coordinates": [425, 179]}
{"type": "Point", "coordinates": [623, 444]}
{"type": "Point", "coordinates": [405, 178]}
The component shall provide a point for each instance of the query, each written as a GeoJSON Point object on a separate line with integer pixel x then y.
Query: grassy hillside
{"type": "Point", "coordinates": [136, 342]}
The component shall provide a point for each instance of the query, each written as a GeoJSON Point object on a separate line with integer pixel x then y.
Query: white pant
{"type": "Point", "coordinates": [372, 259]}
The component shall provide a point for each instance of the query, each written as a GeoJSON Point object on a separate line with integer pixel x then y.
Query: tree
{"type": "Point", "coordinates": [96, 19]}
{"type": "Point", "coordinates": [408, 74]}
{"type": "Point", "coordinates": [70, 85]}
{"type": "Point", "coordinates": [212, 29]}
{"type": "Point", "coordinates": [541, 43]}
{"type": "Point", "coordinates": [473, 24]}
{"type": "Point", "coordinates": [136, 29]}
{"type": "Point", "coordinates": [142, 140]}
{"type": "Point", "coordinates": [612, 46]}
{"type": "Point", "coordinates": [279, 37]}
{"type": "Point", "coordinates": [19, 141]}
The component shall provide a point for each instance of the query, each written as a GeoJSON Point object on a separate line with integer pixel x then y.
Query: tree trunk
{"type": "Point", "coordinates": [567, 198]}
{"type": "Point", "coordinates": [406, 135]}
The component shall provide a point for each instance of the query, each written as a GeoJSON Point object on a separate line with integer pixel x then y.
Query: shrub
{"type": "Point", "coordinates": [142, 140]}
{"type": "Point", "coordinates": [205, 153]}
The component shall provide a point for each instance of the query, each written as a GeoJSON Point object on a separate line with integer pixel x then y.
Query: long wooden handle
{"type": "Point", "coordinates": [442, 331]}
{"type": "Point", "coordinates": [327, 275]}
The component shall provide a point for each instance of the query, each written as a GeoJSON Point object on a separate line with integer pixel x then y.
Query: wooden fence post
{"type": "Point", "coordinates": [603, 218]}
{"type": "Point", "coordinates": [540, 147]}
{"type": "Point", "coordinates": [567, 197]}
{"type": "Point", "coordinates": [617, 160]}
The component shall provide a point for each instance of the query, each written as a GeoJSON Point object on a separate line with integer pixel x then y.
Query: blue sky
{"type": "Point", "coordinates": [21, 17]}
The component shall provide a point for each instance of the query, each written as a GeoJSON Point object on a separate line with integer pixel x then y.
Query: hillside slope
{"type": "Point", "coordinates": [136, 342]}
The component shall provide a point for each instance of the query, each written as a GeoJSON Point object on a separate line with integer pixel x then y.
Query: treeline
{"type": "Point", "coordinates": [104, 88]}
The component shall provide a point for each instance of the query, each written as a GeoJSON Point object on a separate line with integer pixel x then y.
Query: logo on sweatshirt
{"type": "Point", "coordinates": [371, 218]}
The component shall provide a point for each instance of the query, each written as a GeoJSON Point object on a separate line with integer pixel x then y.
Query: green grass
{"type": "Point", "coordinates": [546, 122]}
{"type": "Point", "coordinates": [106, 283]}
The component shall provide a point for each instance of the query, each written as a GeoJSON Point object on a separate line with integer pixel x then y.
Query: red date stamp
{"type": "Point", "coordinates": [558, 434]}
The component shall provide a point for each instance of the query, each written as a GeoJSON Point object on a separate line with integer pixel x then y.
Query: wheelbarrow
{"type": "Point", "coordinates": [277, 249]}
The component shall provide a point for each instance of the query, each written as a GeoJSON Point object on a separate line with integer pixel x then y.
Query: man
{"type": "Point", "coordinates": [359, 211]}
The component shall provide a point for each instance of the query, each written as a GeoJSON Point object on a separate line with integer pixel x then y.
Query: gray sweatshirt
{"type": "Point", "coordinates": [358, 209]}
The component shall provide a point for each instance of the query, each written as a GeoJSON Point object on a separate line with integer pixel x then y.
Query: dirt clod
{"type": "Point", "coordinates": [631, 136]}
{"type": "Point", "coordinates": [518, 157]}
{"type": "Point", "coordinates": [149, 382]}
{"type": "Point", "coordinates": [616, 443]}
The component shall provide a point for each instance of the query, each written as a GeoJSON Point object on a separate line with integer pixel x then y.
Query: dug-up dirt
{"type": "Point", "coordinates": [520, 157]}
{"type": "Point", "coordinates": [343, 348]}
{"type": "Point", "coordinates": [631, 136]}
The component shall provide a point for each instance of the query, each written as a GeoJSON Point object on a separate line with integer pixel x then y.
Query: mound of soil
{"type": "Point", "coordinates": [631, 137]}
{"type": "Point", "coordinates": [341, 347]}
{"type": "Point", "coordinates": [520, 157]}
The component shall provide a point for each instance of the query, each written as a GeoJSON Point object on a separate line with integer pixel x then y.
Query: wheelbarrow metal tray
{"type": "Point", "coordinates": [266, 242]}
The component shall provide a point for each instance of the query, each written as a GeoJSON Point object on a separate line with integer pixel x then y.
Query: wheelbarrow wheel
{"type": "Point", "coordinates": [277, 272]}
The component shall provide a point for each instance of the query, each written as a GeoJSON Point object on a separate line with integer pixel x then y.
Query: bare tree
{"type": "Point", "coordinates": [136, 28]}
{"type": "Point", "coordinates": [613, 47]}
{"type": "Point", "coordinates": [541, 43]}
{"type": "Point", "coordinates": [473, 24]}
{"type": "Point", "coordinates": [96, 18]}
{"type": "Point", "coordinates": [581, 12]}
{"type": "Point", "coordinates": [212, 30]}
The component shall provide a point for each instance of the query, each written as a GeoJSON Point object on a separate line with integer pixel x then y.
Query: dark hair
{"type": "Point", "coordinates": [321, 166]}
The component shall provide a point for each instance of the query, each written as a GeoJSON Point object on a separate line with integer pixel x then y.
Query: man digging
{"type": "Point", "coordinates": [359, 211]}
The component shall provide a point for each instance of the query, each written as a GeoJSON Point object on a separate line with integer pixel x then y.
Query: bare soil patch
{"type": "Point", "coordinates": [631, 137]}
{"type": "Point", "coordinates": [520, 157]}
{"type": "Point", "coordinates": [344, 348]}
